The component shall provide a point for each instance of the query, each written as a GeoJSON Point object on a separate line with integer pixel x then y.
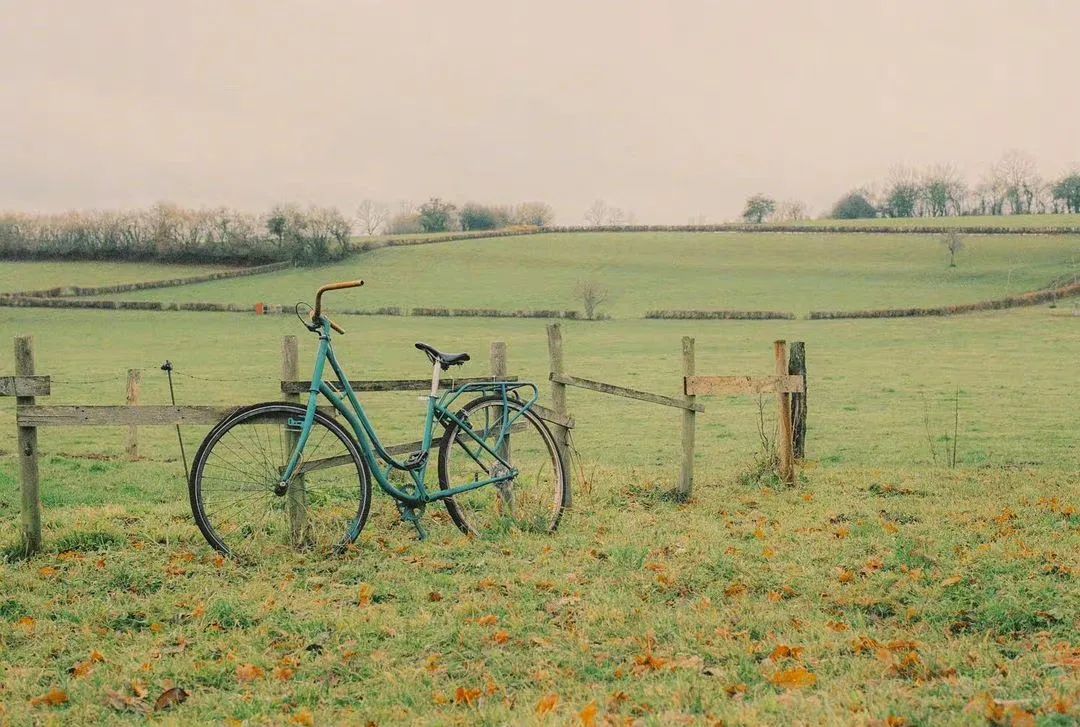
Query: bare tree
{"type": "Point", "coordinates": [593, 295]}
{"type": "Point", "coordinates": [372, 216]}
{"type": "Point", "coordinates": [616, 216]}
{"type": "Point", "coordinates": [1018, 178]}
{"type": "Point", "coordinates": [953, 243]}
{"type": "Point", "coordinates": [597, 214]}
{"type": "Point", "coordinates": [943, 191]}
{"type": "Point", "coordinates": [538, 214]}
{"type": "Point", "coordinates": [789, 211]}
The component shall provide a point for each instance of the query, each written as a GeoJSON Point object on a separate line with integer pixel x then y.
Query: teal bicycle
{"type": "Point", "coordinates": [279, 475]}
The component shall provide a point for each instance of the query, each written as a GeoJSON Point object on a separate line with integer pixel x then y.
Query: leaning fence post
{"type": "Point", "coordinates": [686, 474]}
{"type": "Point", "coordinates": [28, 455]}
{"type": "Point", "coordinates": [797, 367]}
{"type": "Point", "coordinates": [785, 444]}
{"type": "Point", "coordinates": [290, 371]}
{"type": "Point", "coordinates": [558, 393]}
{"type": "Point", "coordinates": [131, 443]}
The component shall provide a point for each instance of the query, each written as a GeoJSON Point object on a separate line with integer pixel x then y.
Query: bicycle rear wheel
{"type": "Point", "coordinates": [245, 511]}
{"type": "Point", "coordinates": [533, 500]}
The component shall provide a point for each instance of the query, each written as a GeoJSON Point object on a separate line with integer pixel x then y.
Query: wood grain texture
{"type": "Point", "coordinates": [25, 385]}
{"type": "Point", "coordinates": [29, 476]}
{"type": "Point", "coordinates": [120, 416]}
{"type": "Point", "coordinates": [741, 385]}
{"type": "Point", "coordinates": [623, 391]}
{"type": "Point", "coordinates": [785, 443]}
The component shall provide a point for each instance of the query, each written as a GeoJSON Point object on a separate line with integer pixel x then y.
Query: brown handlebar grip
{"type": "Point", "coordinates": [333, 286]}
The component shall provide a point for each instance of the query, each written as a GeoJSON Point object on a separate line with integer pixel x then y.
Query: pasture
{"type": "Point", "coordinates": [885, 586]}
{"type": "Point", "coordinates": [645, 271]}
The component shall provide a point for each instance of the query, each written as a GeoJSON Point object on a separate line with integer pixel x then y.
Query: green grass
{"type": "Point", "coordinates": [1064, 220]}
{"type": "Point", "coordinates": [908, 589]}
{"type": "Point", "coordinates": [645, 271]}
{"type": "Point", "coordinates": [18, 275]}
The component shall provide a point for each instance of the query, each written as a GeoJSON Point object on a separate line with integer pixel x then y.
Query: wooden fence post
{"type": "Point", "coordinates": [686, 475]}
{"type": "Point", "coordinates": [498, 360]}
{"type": "Point", "coordinates": [290, 371]}
{"type": "Point", "coordinates": [785, 444]}
{"type": "Point", "coordinates": [131, 443]}
{"type": "Point", "coordinates": [558, 393]}
{"type": "Point", "coordinates": [28, 455]}
{"type": "Point", "coordinates": [797, 367]}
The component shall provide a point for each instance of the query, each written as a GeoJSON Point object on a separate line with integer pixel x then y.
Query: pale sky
{"type": "Point", "coordinates": [669, 109]}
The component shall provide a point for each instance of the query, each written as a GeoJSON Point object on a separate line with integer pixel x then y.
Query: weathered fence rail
{"type": "Point", "coordinates": [26, 385]}
{"type": "Point", "coordinates": [787, 383]}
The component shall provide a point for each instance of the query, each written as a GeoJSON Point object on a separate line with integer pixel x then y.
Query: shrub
{"type": "Point", "coordinates": [853, 206]}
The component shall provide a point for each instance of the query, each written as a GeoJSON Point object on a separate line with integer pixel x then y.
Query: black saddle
{"type": "Point", "coordinates": [446, 360]}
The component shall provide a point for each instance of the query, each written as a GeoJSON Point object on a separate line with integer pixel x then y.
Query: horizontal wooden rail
{"type": "Point", "coordinates": [24, 385]}
{"type": "Point", "coordinates": [735, 385]}
{"type": "Point", "coordinates": [121, 416]}
{"type": "Point", "coordinates": [302, 387]}
{"type": "Point", "coordinates": [603, 388]}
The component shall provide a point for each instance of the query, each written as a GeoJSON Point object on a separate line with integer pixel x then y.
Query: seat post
{"type": "Point", "coordinates": [435, 372]}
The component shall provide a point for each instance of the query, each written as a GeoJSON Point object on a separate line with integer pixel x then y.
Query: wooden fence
{"type": "Point", "coordinates": [26, 386]}
{"type": "Point", "coordinates": [788, 383]}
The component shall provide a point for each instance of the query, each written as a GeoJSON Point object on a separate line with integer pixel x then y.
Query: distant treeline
{"type": "Point", "coordinates": [167, 233]}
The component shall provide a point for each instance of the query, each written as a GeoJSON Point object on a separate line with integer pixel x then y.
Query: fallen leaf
{"type": "Point", "coordinates": [123, 703]}
{"type": "Point", "coordinates": [489, 620]}
{"type": "Point", "coordinates": [284, 673]}
{"type": "Point", "coordinates": [26, 623]}
{"type": "Point", "coordinates": [546, 704]}
{"type": "Point", "coordinates": [467, 697]}
{"type": "Point", "coordinates": [844, 575]}
{"type": "Point", "coordinates": [500, 637]}
{"type": "Point", "coordinates": [52, 698]}
{"type": "Point", "coordinates": [170, 698]}
{"type": "Point", "coordinates": [733, 690]}
{"type": "Point", "coordinates": [952, 581]}
{"type": "Point", "coordinates": [434, 596]}
{"type": "Point", "coordinates": [47, 572]}
{"type": "Point", "coordinates": [249, 672]}
{"type": "Point", "coordinates": [303, 717]}
{"type": "Point", "coordinates": [588, 715]}
{"type": "Point", "coordinates": [797, 678]}
{"type": "Point", "coordinates": [837, 626]}
{"type": "Point", "coordinates": [783, 651]}
{"type": "Point", "coordinates": [364, 593]}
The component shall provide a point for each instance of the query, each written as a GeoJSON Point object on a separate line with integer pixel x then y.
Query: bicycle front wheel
{"type": "Point", "coordinates": [533, 500]}
{"type": "Point", "coordinates": [243, 508]}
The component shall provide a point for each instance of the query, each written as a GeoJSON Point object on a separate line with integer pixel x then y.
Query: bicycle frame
{"type": "Point", "coordinates": [371, 447]}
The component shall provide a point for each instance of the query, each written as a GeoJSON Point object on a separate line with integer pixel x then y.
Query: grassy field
{"type": "Point", "coordinates": [644, 271]}
{"type": "Point", "coordinates": [1063, 220]}
{"type": "Point", "coordinates": [887, 588]}
{"type": "Point", "coordinates": [17, 275]}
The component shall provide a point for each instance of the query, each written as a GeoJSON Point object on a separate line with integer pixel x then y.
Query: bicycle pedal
{"type": "Point", "coordinates": [416, 460]}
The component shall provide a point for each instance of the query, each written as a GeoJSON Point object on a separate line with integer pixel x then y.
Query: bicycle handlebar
{"type": "Point", "coordinates": [316, 313]}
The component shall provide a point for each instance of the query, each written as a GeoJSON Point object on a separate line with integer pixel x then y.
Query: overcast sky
{"type": "Point", "coordinates": [670, 109]}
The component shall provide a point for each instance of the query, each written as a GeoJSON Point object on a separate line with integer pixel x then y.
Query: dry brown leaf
{"type": "Point", "coordinates": [489, 620]}
{"type": "Point", "coordinates": [588, 715]}
{"type": "Point", "coordinates": [952, 581]}
{"type": "Point", "coordinates": [733, 690]}
{"type": "Point", "coordinates": [500, 637]}
{"type": "Point", "coordinates": [48, 572]}
{"type": "Point", "coordinates": [434, 596]}
{"type": "Point", "coordinates": [52, 698]}
{"type": "Point", "coordinates": [123, 703]}
{"type": "Point", "coordinates": [467, 697]}
{"type": "Point", "coordinates": [844, 575]}
{"type": "Point", "coordinates": [797, 678]}
{"type": "Point", "coordinates": [783, 651]}
{"type": "Point", "coordinates": [249, 672]}
{"type": "Point", "coordinates": [364, 593]}
{"type": "Point", "coordinates": [170, 698]}
{"type": "Point", "coordinates": [303, 717]}
{"type": "Point", "coordinates": [284, 673]}
{"type": "Point", "coordinates": [547, 704]}
{"type": "Point", "coordinates": [837, 626]}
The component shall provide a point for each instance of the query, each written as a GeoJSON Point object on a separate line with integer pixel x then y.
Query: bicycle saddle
{"type": "Point", "coordinates": [446, 360]}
